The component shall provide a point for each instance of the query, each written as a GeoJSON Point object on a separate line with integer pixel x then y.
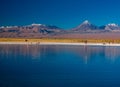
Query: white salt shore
{"type": "Point", "coordinates": [59, 43]}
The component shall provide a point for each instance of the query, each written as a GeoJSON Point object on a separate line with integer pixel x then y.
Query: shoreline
{"type": "Point", "coordinates": [58, 43]}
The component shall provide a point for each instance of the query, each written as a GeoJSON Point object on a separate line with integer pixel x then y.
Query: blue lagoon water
{"type": "Point", "coordinates": [59, 66]}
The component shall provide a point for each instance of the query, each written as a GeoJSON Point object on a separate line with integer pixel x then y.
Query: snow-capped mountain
{"type": "Point", "coordinates": [41, 30]}
{"type": "Point", "coordinates": [33, 29]}
{"type": "Point", "coordinates": [85, 26]}
{"type": "Point", "coordinates": [112, 26]}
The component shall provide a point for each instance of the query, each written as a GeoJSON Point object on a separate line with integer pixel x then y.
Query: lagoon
{"type": "Point", "coordinates": [59, 66]}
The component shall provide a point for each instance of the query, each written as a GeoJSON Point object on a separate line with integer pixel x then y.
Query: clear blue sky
{"type": "Point", "coordinates": [62, 13]}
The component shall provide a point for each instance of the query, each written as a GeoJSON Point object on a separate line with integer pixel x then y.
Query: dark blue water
{"type": "Point", "coordinates": [59, 66]}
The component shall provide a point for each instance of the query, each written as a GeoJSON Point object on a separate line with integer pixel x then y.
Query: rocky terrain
{"type": "Point", "coordinates": [84, 30]}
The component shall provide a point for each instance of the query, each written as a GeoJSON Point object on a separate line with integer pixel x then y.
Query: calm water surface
{"type": "Point", "coordinates": [59, 66]}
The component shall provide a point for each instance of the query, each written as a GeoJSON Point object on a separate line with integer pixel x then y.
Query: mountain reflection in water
{"type": "Point", "coordinates": [87, 53]}
{"type": "Point", "coordinates": [59, 66]}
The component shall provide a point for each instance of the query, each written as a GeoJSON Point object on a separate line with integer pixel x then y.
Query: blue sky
{"type": "Point", "coordinates": [63, 13]}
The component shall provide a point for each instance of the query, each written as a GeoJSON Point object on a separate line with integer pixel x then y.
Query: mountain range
{"type": "Point", "coordinates": [86, 26]}
{"type": "Point", "coordinates": [41, 30]}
